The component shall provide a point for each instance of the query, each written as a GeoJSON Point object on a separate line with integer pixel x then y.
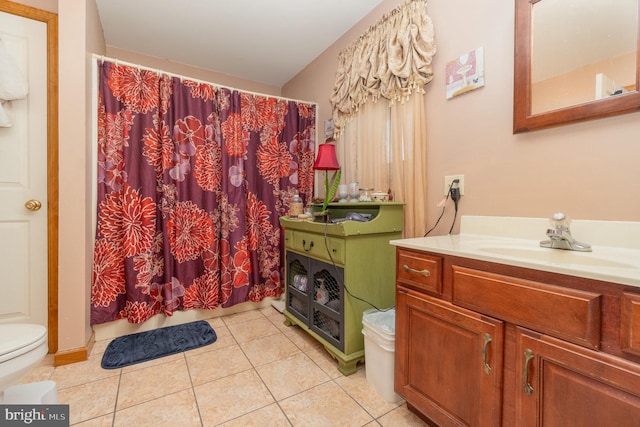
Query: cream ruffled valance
{"type": "Point", "coordinates": [390, 60]}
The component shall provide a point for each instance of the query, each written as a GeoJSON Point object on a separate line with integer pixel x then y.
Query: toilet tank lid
{"type": "Point", "coordinates": [14, 336]}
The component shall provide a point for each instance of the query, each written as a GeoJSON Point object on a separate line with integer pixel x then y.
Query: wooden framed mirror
{"type": "Point", "coordinates": [574, 60]}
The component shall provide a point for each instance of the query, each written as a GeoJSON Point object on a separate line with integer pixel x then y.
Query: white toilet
{"type": "Point", "coordinates": [22, 347]}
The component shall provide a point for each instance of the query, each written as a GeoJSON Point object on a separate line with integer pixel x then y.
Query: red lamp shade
{"type": "Point", "coordinates": [327, 159]}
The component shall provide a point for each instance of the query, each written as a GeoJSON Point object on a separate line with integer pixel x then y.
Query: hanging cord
{"type": "Point", "coordinates": [326, 245]}
{"type": "Point", "coordinates": [455, 196]}
{"type": "Point", "coordinates": [444, 206]}
{"type": "Point", "coordinates": [455, 202]}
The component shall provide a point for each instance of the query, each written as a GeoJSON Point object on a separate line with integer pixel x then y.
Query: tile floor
{"type": "Point", "coordinates": [259, 372]}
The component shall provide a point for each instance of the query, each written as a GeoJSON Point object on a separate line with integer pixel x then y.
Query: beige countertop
{"type": "Point", "coordinates": [615, 255]}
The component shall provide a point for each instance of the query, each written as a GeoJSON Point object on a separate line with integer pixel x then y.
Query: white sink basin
{"type": "Point", "coordinates": [557, 256]}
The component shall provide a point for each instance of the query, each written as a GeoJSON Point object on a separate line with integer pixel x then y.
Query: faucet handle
{"type": "Point", "coordinates": [559, 219]}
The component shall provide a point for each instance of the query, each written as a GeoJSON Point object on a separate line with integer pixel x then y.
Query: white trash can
{"type": "Point", "coordinates": [379, 330]}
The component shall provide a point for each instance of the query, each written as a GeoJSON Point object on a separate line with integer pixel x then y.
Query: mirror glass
{"type": "Point", "coordinates": [574, 60]}
{"type": "Point", "coordinates": [581, 51]}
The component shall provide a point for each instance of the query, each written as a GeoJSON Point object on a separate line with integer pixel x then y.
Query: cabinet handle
{"type": "Point", "coordinates": [487, 341]}
{"type": "Point", "coordinates": [528, 357]}
{"type": "Point", "coordinates": [425, 272]}
{"type": "Point", "coordinates": [304, 244]}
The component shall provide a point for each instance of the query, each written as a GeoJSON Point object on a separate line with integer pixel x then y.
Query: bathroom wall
{"type": "Point", "coordinates": [587, 170]}
{"type": "Point", "coordinates": [48, 5]}
{"type": "Point", "coordinates": [80, 33]}
{"type": "Point", "coordinates": [193, 72]}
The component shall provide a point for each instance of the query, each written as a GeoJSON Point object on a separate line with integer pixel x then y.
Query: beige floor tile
{"type": "Point", "coordinates": [153, 362]}
{"type": "Point", "coordinates": [303, 340]}
{"type": "Point", "coordinates": [48, 360]}
{"type": "Point", "coordinates": [216, 322]}
{"type": "Point", "coordinates": [104, 421]}
{"type": "Point", "coordinates": [252, 329]}
{"type": "Point", "coordinates": [325, 361]}
{"type": "Point", "coordinates": [39, 373]}
{"type": "Point", "coordinates": [292, 375]}
{"type": "Point", "coordinates": [242, 317]}
{"type": "Point", "coordinates": [231, 397]}
{"type": "Point", "coordinates": [357, 386]}
{"type": "Point", "coordinates": [82, 372]}
{"type": "Point", "coordinates": [153, 382]}
{"type": "Point", "coordinates": [278, 320]}
{"type": "Point", "coordinates": [90, 400]}
{"type": "Point", "coordinates": [269, 349]}
{"type": "Point", "coordinates": [324, 405]}
{"type": "Point", "coordinates": [178, 409]}
{"type": "Point", "coordinates": [209, 347]}
{"type": "Point", "coordinates": [99, 347]}
{"type": "Point", "coordinates": [212, 365]}
{"type": "Point", "coordinates": [401, 416]}
{"type": "Point", "coordinates": [223, 339]}
{"type": "Point", "coordinates": [271, 416]}
{"type": "Point", "coordinates": [269, 311]}
{"type": "Point", "coordinates": [235, 381]}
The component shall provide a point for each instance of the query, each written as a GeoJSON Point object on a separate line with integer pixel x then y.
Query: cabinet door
{"type": "Point", "coordinates": [448, 361]}
{"type": "Point", "coordinates": [563, 384]}
{"type": "Point", "coordinates": [315, 296]}
{"type": "Point", "coordinates": [327, 302]}
{"type": "Point", "coordinates": [298, 288]}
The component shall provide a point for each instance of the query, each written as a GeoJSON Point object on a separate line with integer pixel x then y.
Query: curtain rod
{"type": "Point", "coordinates": [181, 77]}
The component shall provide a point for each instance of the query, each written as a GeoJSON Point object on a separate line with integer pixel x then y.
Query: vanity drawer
{"type": "Point", "coordinates": [288, 239]}
{"type": "Point", "coordinates": [565, 313]}
{"type": "Point", "coordinates": [419, 271]}
{"type": "Point", "coordinates": [313, 245]}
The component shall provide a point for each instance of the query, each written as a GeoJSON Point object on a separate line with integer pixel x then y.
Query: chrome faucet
{"type": "Point", "coordinates": [560, 235]}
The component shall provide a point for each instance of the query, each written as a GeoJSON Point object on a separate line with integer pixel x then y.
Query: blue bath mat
{"type": "Point", "coordinates": [144, 346]}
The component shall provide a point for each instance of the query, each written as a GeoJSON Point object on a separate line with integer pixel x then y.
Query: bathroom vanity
{"type": "Point", "coordinates": [492, 329]}
{"type": "Point", "coordinates": [334, 271]}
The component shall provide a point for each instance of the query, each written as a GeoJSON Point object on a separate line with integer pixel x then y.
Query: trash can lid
{"type": "Point", "coordinates": [381, 320]}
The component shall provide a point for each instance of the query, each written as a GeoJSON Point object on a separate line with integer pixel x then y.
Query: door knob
{"type": "Point", "coordinates": [33, 204]}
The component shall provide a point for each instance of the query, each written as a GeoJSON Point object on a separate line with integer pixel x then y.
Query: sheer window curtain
{"type": "Point", "coordinates": [366, 147]}
{"type": "Point", "coordinates": [385, 148]}
{"type": "Point", "coordinates": [409, 165]}
{"type": "Point", "coordinates": [378, 108]}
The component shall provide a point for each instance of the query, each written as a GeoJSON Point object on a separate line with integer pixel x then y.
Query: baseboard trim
{"type": "Point", "coordinates": [75, 355]}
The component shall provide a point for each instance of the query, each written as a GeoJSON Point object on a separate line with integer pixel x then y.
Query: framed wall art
{"type": "Point", "coordinates": [465, 73]}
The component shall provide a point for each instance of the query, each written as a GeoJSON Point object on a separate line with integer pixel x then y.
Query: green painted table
{"type": "Point", "coordinates": [334, 272]}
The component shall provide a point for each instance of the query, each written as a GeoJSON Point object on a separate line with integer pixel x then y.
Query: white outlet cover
{"type": "Point", "coordinates": [447, 183]}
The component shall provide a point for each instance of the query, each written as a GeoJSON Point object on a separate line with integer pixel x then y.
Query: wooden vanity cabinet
{"type": "Point", "coordinates": [500, 345]}
{"type": "Point", "coordinates": [448, 360]}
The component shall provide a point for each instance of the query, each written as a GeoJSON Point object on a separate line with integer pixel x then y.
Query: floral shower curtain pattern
{"type": "Point", "coordinates": [192, 179]}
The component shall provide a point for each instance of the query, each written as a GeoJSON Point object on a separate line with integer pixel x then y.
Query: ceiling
{"type": "Point", "coordinates": [264, 41]}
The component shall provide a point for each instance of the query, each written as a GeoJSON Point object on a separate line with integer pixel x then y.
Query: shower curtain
{"type": "Point", "coordinates": [192, 178]}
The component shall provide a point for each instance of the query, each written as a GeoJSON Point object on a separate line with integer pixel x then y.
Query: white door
{"type": "Point", "coordinates": [23, 177]}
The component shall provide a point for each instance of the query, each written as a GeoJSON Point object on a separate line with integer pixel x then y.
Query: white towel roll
{"type": "Point", "coordinates": [13, 85]}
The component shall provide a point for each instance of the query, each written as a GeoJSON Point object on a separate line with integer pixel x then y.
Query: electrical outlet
{"type": "Point", "coordinates": [449, 179]}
